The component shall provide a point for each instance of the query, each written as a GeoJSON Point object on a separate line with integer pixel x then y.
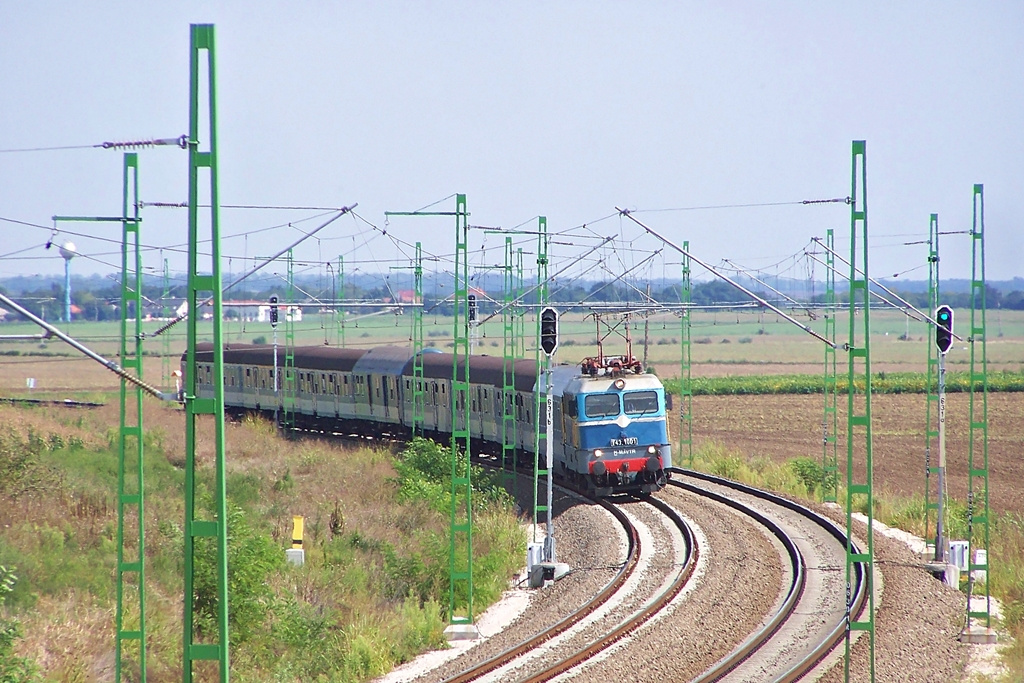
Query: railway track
{"type": "Point", "coordinates": [807, 623]}
{"type": "Point", "coordinates": [811, 621]}
{"type": "Point", "coordinates": [532, 658]}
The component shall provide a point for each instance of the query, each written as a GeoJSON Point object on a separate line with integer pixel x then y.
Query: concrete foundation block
{"type": "Point", "coordinates": [461, 632]}
{"type": "Point", "coordinates": [979, 635]}
{"type": "Point", "coordinates": [295, 556]}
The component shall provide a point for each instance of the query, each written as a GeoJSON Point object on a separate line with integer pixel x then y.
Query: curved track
{"type": "Point", "coordinates": [543, 670]}
{"type": "Point", "coordinates": [812, 618]}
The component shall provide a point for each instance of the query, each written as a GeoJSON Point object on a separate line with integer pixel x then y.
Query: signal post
{"type": "Point", "coordinates": [940, 566]}
{"type": "Point", "coordinates": [548, 569]}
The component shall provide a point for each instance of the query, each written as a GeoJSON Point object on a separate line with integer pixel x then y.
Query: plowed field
{"type": "Point", "coordinates": [784, 427]}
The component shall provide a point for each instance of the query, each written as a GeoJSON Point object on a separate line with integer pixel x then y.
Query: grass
{"type": "Point", "coordinates": [801, 478]}
{"type": "Point", "coordinates": [881, 382]}
{"type": "Point", "coordinates": [372, 593]}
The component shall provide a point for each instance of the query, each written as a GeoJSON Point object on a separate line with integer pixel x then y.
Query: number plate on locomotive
{"type": "Point", "coordinates": [626, 441]}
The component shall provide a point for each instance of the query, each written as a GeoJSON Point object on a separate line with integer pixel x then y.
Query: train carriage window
{"type": "Point", "coordinates": [323, 383]}
{"type": "Point", "coordinates": [640, 402]}
{"type": "Point", "coordinates": [601, 405]}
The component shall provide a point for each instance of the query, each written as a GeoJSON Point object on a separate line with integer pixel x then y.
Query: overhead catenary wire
{"type": "Point", "coordinates": [805, 202]}
{"type": "Point", "coordinates": [793, 301]}
{"type": "Point", "coordinates": [109, 364]}
{"type": "Point", "coordinates": [907, 306]}
{"type": "Point", "coordinates": [738, 286]}
{"type": "Point", "coordinates": [177, 319]}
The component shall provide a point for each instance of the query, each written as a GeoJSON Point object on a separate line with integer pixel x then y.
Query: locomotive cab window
{"type": "Point", "coordinates": [640, 402]}
{"type": "Point", "coordinates": [601, 405]}
{"type": "Point", "coordinates": [569, 405]}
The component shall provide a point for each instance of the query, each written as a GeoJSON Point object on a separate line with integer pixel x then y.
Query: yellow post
{"type": "Point", "coordinates": [297, 521]}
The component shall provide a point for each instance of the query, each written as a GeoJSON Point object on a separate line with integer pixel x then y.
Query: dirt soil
{"type": "Point", "coordinates": [785, 427]}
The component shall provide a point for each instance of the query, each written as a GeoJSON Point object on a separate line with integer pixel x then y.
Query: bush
{"type": "Point", "coordinates": [259, 340]}
{"type": "Point", "coordinates": [252, 557]}
{"type": "Point", "coordinates": [812, 475]}
{"type": "Point", "coordinates": [13, 669]}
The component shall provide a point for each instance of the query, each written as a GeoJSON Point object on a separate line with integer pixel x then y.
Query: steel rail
{"type": "Point", "coordinates": [503, 658]}
{"type": "Point", "coordinates": [639, 619]}
{"type": "Point", "coordinates": [836, 636]}
{"type": "Point", "coordinates": [796, 586]}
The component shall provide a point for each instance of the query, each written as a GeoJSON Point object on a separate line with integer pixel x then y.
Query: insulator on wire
{"type": "Point", "coordinates": [180, 141]}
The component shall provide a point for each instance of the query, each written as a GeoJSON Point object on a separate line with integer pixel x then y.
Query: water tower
{"type": "Point", "coordinates": [67, 252]}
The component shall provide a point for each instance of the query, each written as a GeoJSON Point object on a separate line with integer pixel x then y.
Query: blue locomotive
{"type": "Point", "coordinates": [609, 429]}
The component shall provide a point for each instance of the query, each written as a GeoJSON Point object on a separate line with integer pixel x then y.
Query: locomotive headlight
{"type": "Point", "coordinates": [620, 383]}
{"type": "Point", "coordinates": [598, 452]}
{"type": "Point", "coordinates": [652, 449]}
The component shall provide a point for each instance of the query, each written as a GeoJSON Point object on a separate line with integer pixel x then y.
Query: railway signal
{"type": "Point", "coordinates": [943, 340]}
{"type": "Point", "coordinates": [273, 311]}
{"type": "Point", "coordinates": [943, 328]}
{"type": "Point", "coordinates": [549, 330]}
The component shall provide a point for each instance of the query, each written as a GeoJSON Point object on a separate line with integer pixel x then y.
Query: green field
{"type": "Point", "coordinates": [722, 342]}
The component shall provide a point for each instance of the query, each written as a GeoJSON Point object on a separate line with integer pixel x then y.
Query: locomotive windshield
{"type": "Point", "coordinates": [601, 405]}
{"type": "Point", "coordinates": [640, 402]}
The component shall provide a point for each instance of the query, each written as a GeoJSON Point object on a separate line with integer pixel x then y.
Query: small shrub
{"type": "Point", "coordinates": [13, 669]}
{"type": "Point", "coordinates": [702, 340]}
{"type": "Point", "coordinates": [745, 340]}
{"type": "Point", "coordinates": [259, 340]}
{"type": "Point", "coordinates": [252, 557]}
{"type": "Point", "coordinates": [811, 474]}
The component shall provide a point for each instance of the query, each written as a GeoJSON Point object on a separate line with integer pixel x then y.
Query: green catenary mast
{"type": "Point", "coordinates": [341, 296]}
{"type": "Point", "coordinates": [165, 343]}
{"type": "Point", "coordinates": [131, 552]}
{"type": "Point", "coordinates": [290, 386]}
{"type": "Point", "coordinates": [539, 433]}
{"type": "Point", "coordinates": [685, 385]}
{"type": "Point", "coordinates": [204, 279]}
{"type": "Point", "coordinates": [508, 407]}
{"type": "Point", "coordinates": [977, 453]}
{"type": "Point", "coordinates": [830, 421]}
{"type": "Point", "coordinates": [417, 344]}
{"type": "Point", "coordinates": [931, 432]}
{"type": "Point", "coordinates": [858, 413]}
{"type": "Point", "coordinates": [460, 551]}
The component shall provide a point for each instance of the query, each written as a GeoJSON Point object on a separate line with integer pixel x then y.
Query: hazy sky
{"type": "Point", "coordinates": [563, 109]}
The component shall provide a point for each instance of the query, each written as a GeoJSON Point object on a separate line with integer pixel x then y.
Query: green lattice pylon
{"type": "Point", "coordinates": [341, 295]}
{"type": "Point", "coordinates": [830, 420]}
{"type": "Point", "coordinates": [290, 383]}
{"type": "Point", "coordinates": [417, 345]}
{"type": "Point", "coordinates": [131, 550]}
{"type": "Point", "coordinates": [859, 484]}
{"type": "Point", "coordinates": [931, 412]}
{"type": "Point", "coordinates": [214, 645]}
{"type": "Point", "coordinates": [460, 555]}
{"type": "Point", "coordinates": [508, 403]}
{"type": "Point", "coordinates": [977, 452]}
{"type": "Point", "coordinates": [685, 383]}
{"type": "Point", "coordinates": [520, 309]}
{"type": "Point", "coordinates": [540, 509]}
{"type": "Point", "coordinates": [166, 368]}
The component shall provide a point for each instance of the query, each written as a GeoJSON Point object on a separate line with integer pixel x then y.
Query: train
{"type": "Point", "coordinates": [609, 426]}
